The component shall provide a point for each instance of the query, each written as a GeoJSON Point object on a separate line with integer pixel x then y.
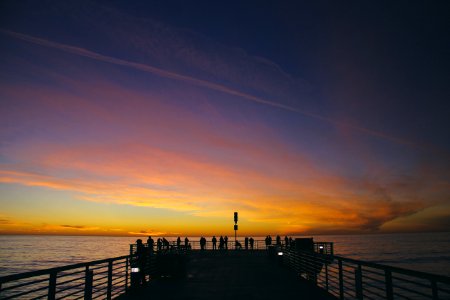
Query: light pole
{"type": "Point", "coordinates": [235, 228]}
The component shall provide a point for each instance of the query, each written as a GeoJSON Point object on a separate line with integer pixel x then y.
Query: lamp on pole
{"type": "Point", "coordinates": [235, 227]}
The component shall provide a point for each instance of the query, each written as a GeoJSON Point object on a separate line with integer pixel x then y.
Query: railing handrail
{"type": "Point", "coordinates": [7, 278]}
{"type": "Point", "coordinates": [314, 256]}
{"type": "Point", "coordinates": [421, 274]}
{"type": "Point", "coordinates": [232, 242]}
{"type": "Point", "coordinates": [313, 265]}
{"type": "Point", "coordinates": [410, 272]}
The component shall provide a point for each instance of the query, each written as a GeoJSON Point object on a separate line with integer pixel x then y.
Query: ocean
{"type": "Point", "coordinates": [428, 252]}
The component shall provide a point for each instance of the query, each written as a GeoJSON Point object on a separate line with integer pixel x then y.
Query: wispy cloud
{"type": "Point", "coordinates": [199, 82]}
{"type": "Point", "coordinates": [149, 232]}
{"type": "Point", "coordinates": [79, 227]}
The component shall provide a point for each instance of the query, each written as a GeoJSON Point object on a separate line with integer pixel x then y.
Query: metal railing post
{"type": "Point", "coordinates": [315, 260]}
{"type": "Point", "coordinates": [88, 281]}
{"type": "Point", "coordinates": [434, 290]}
{"type": "Point", "coordinates": [389, 289]}
{"type": "Point", "coordinates": [126, 273]}
{"type": "Point", "coordinates": [52, 286]}
{"type": "Point", "coordinates": [109, 288]}
{"type": "Point", "coordinates": [358, 283]}
{"type": "Point", "coordinates": [341, 281]}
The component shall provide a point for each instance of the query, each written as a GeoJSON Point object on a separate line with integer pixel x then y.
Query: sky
{"type": "Point", "coordinates": [163, 118]}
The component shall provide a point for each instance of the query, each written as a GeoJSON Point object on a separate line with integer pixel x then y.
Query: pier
{"type": "Point", "coordinates": [302, 270]}
{"type": "Point", "coordinates": [230, 275]}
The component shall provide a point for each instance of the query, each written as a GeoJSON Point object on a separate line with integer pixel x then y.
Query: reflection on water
{"type": "Point", "coordinates": [425, 252]}
{"type": "Point", "coordinates": [25, 253]}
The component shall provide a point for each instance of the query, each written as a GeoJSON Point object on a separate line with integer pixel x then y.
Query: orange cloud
{"type": "Point", "coordinates": [206, 189]}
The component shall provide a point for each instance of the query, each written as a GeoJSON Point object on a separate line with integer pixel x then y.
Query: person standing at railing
{"type": "Point", "coordinates": [150, 244]}
{"type": "Point", "coordinates": [166, 243]}
{"type": "Point", "coordinates": [286, 242]}
{"type": "Point", "coordinates": [159, 244]}
{"type": "Point", "coordinates": [214, 242]}
{"type": "Point", "coordinates": [221, 243]}
{"type": "Point", "coordinates": [278, 240]}
{"type": "Point", "coordinates": [202, 243]}
{"type": "Point", "coordinates": [252, 241]}
{"type": "Point", "coordinates": [178, 242]}
{"type": "Point", "coordinates": [225, 239]}
{"type": "Point", "coordinates": [246, 243]}
{"type": "Point", "coordinates": [141, 260]}
{"type": "Point", "coordinates": [186, 243]}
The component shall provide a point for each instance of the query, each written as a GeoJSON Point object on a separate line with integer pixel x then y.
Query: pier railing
{"type": "Point", "coordinates": [348, 278]}
{"type": "Point", "coordinates": [101, 279]}
{"type": "Point", "coordinates": [342, 277]}
{"type": "Point", "coordinates": [319, 247]}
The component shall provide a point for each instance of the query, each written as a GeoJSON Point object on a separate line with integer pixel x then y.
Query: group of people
{"type": "Point", "coordinates": [164, 244]}
{"type": "Point", "coordinates": [288, 241]}
{"type": "Point", "coordinates": [220, 244]}
{"type": "Point", "coordinates": [223, 243]}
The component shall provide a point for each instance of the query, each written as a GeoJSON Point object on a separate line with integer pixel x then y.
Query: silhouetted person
{"type": "Point", "coordinates": [150, 244]}
{"type": "Point", "coordinates": [214, 242]}
{"type": "Point", "coordinates": [178, 242]}
{"type": "Point", "coordinates": [270, 239]}
{"type": "Point", "coordinates": [221, 243]}
{"type": "Point", "coordinates": [252, 241]}
{"type": "Point", "coordinates": [225, 239]}
{"type": "Point", "coordinates": [246, 243]}
{"type": "Point", "coordinates": [238, 245]}
{"type": "Point", "coordinates": [266, 241]}
{"type": "Point", "coordinates": [159, 244]}
{"type": "Point", "coordinates": [202, 243]}
{"type": "Point", "coordinates": [278, 240]}
{"type": "Point", "coordinates": [141, 260]}
{"type": "Point", "coordinates": [165, 243]}
{"type": "Point", "coordinates": [286, 241]}
{"type": "Point", "coordinates": [186, 242]}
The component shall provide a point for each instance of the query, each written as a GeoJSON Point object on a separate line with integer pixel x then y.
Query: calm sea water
{"type": "Point", "coordinates": [428, 252]}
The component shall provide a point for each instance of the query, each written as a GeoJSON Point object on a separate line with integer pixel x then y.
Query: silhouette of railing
{"type": "Point", "coordinates": [342, 277]}
{"type": "Point", "coordinates": [348, 278]}
{"type": "Point", "coordinates": [166, 262]}
{"type": "Point", "coordinates": [103, 279]}
{"type": "Point", "coordinates": [319, 247]}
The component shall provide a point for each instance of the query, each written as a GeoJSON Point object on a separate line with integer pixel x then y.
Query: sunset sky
{"type": "Point", "coordinates": [165, 117]}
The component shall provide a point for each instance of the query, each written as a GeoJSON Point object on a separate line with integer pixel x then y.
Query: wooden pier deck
{"type": "Point", "coordinates": [218, 275]}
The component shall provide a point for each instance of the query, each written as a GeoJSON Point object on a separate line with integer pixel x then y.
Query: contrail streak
{"type": "Point", "coordinates": [199, 82]}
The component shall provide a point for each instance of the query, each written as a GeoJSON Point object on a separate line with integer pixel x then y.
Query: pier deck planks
{"type": "Point", "coordinates": [230, 275]}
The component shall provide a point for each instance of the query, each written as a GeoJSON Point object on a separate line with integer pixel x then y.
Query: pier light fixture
{"type": "Point", "coordinates": [321, 249]}
{"type": "Point", "coordinates": [280, 253]}
{"type": "Point", "coordinates": [134, 270]}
